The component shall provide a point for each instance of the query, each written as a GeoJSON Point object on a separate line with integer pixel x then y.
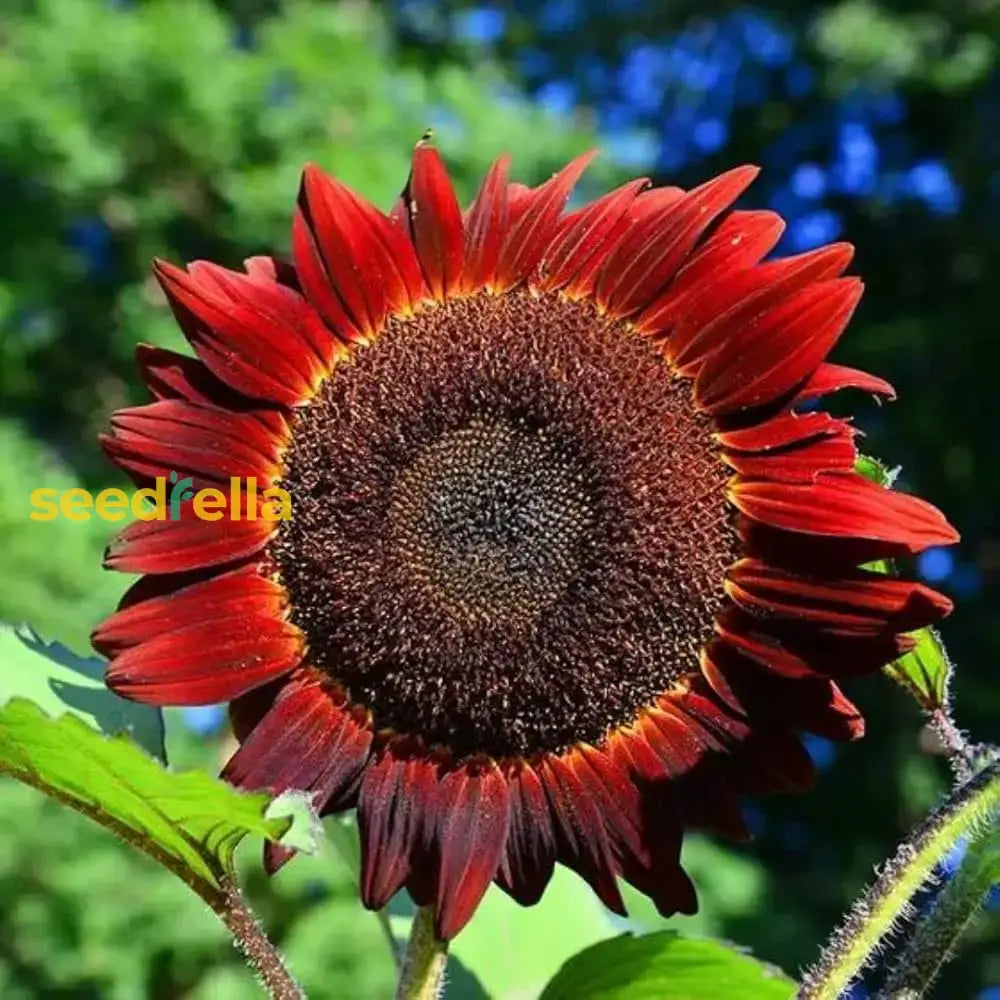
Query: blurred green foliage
{"type": "Point", "coordinates": [178, 128]}
{"type": "Point", "coordinates": [145, 127]}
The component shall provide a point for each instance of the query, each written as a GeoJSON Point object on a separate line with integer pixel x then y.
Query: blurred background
{"type": "Point", "coordinates": [136, 128]}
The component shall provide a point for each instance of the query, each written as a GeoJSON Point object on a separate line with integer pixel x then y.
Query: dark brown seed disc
{"type": "Point", "coordinates": [509, 528]}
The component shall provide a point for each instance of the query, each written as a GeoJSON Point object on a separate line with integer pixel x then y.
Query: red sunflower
{"type": "Point", "coordinates": [566, 567]}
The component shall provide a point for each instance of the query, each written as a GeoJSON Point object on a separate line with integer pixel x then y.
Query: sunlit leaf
{"type": "Point", "coordinates": [925, 671]}
{"type": "Point", "coordinates": [189, 822]}
{"type": "Point", "coordinates": [58, 681]}
{"type": "Point", "coordinates": [876, 470]}
{"type": "Point", "coordinates": [665, 966]}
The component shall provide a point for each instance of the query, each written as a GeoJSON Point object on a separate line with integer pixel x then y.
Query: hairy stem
{"type": "Point", "coordinates": [935, 937]}
{"type": "Point", "coordinates": [960, 753]}
{"type": "Point", "coordinates": [875, 914]}
{"type": "Point", "coordinates": [423, 965]}
{"type": "Point", "coordinates": [261, 954]}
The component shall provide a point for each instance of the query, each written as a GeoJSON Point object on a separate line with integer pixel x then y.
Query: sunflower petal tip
{"type": "Point", "coordinates": [167, 273]}
{"type": "Point", "coordinates": [276, 857]}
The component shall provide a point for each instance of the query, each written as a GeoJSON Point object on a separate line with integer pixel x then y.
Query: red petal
{"type": "Point", "coordinates": [772, 761]}
{"type": "Point", "coordinates": [474, 815]}
{"type": "Point", "coordinates": [175, 376]}
{"type": "Point", "coordinates": [860, 602]}
{"type": "Point", "coordinates": [308, 740]}
{"type": "Point", "coordinates": [780, 432]}
{"type": "Point", "coordinates": [647, 750]}
{"type": "Point", "coordinates": [274, 312]}
{"type": "Point", "coordinates": [584, 237]}
{"type": "Point", "coordinates": [845, 505]}
{"type": "Point", "coordinates": [638, 750]}
{"type": "Point", "coordinates": [485, 229]}
{"type": "Point", "coordinates": [342, 245]}
{"type": "Point", "coordinates": [663, 880]}
{"type": "Point", "coordinates": [581, 831]}
{"type": "Point", "coordinates": [263, 340]}
{"type": "Point", "coordinates": [815, 704]}
{"type": "Point", "coordinates": [397, 806]}
{"type": "Point", "coordinates": [650, 255]}
{"type": "Point", "coordinates": [318, 285]}
{"type": "Point", "coordinates": [653, 203]}
{"type": "Point", "coordinates": [645, 839]}
{"type": "Point", "coordinates": [790, 447]}
{"type": "Point", "coordinates": [676, 742]}
{"type": "Point", "coordinates": [185, 439]}
{"type": "Point", "coordinates": [355, 265]}
{"type": "Point", "coordinates": [801, 463]}
{"type": "Point", "coordinates": [520, 197]}
{"type": "Point", "coordinates": [434, 220]}
{"type": "Point", "coordinates": [741, 241]}
{"type": "Point", "coordinates": [644, 750]}
{"type": "Point", "coordinates": [716, 727]}
{"type": "Point", "coordinates": [530, 852]}
{"type": "Point", "coordinates": [207, 663]}
{"type": "Point", "coordinates": [188, 543]}
{"type": "Point", "coordinates": [392, 253]}
{"type": "Point", "coordinates": [810, 650]}
{"type": "Point", "coordinates": [247, 711]}
{"type": "Point", "coordinates": [272, 270]}
{"type": "Point", "coordinates": [533, 219]}
{"type": "Point", "coordinates": [771, 356]}
{"type": "Point", "coordinates": [170, 375]}
{"type": "Point", "coordinates": [645, 204]}
{"type": "Point", "coordinates": [831, 378]}
{"type": "Point", "coordinates": [729, 307]}
{"type": "Point", "coordinates": [235, 594]}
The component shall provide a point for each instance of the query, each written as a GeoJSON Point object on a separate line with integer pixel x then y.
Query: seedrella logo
{"type": "Point", "coordinates": [168, 499]}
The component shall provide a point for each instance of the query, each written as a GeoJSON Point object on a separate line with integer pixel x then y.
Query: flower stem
{"type": "Point", "coordinates": [956, 746]}
{"type": "Point", "coordinates": [875, 915]}
{"type": "Point", "coordinates": [423, 966]}
{"type": "Point", "coordinates": [934, 939]}
{"type": "Point", "coordinates": [261, 954]}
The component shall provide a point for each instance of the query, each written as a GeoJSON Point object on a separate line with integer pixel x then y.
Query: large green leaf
{"type": "Point", "coordinates": [58, 681]}
{"type": "Point", "coordinates": [189, 822]}
{"type": "Point", "coordinates": [665, 966]}
{"type": "Point", "coordinates": [63, 732]}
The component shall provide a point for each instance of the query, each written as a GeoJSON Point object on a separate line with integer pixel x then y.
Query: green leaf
{"type": "Point", "coordinates": [305, 830]}
{"type": "Point", "coordinates": [665, 966]}
{"type": "Point", "coordinates": [58, 681]}
{"type": "Point", "coordinates": [876, 470]}
{"type": "Point", "coordinates": [190, 822]}
{"type": "Point", "coordinates": [925, 671]}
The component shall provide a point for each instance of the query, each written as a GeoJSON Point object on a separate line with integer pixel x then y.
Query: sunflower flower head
{"type": "Point", "coordinates": [566, 567]}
